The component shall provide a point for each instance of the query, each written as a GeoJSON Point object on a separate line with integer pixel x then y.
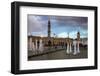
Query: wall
{"type": "Point", "coordinates": [5, 41]}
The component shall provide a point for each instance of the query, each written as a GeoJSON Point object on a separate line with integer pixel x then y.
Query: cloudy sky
{"type": "Point", "coordinates": [60, 25]}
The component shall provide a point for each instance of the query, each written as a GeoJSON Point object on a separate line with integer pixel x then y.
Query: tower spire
{"type": "Point", "coordinates": [49, 27]}
{"type": "Point", "coordinates": [78, 35]}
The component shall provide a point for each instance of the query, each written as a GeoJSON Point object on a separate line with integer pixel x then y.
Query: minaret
{"type": "Point", "coordinates": [49, 28]}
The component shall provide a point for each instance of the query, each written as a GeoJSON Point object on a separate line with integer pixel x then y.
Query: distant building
{"type": "Point", "coordinates": [52, 42]}
{"type": "Point", "coordinates": [84, 41]}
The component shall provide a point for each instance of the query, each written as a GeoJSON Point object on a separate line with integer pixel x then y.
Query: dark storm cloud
{"type": "Point", "coordinates": [71, 21]}
{"type": "Point", "coordinates": [70, 18]}
{"type": "Point", "coordinates": [36, 24]}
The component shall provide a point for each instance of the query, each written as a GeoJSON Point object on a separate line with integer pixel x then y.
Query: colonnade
{"type": "Point", "coordinates": [38, 45]}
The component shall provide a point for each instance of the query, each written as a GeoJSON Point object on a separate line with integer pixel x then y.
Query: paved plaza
{"type": "Point", "coordinates": [59, 54]}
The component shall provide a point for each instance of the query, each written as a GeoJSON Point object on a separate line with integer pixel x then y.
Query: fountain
{"type": "Point", "coordinates": [33, 46]}
{"type": "Point", "coordinates": [74, 43]}
{"type": "Point", "coordinates": [67, 48]}
{"type": "Point", "coordinates": [30, 44]}
{"type": "Point", "coordinates": [70, 48]}
{"type": "Point", "coordinates": [41, 45]}
{"type": "Point", "coordinates": [36, 44]}
{"type": "Point", "coordinates": [78, 50]}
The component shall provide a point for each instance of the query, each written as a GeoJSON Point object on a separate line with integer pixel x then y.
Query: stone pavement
{"type": "Point", "coordinates": [59, 54]}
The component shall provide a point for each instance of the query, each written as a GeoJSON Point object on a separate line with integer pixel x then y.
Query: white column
{"type": "Point", "coordinates": [70, 48]}
{"type": "Point", "coordinates": [74, 43]}
{"type": "Point", "coordinates": [78, 50]}
{"type": "Point", "coordinates": [67, 48]}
